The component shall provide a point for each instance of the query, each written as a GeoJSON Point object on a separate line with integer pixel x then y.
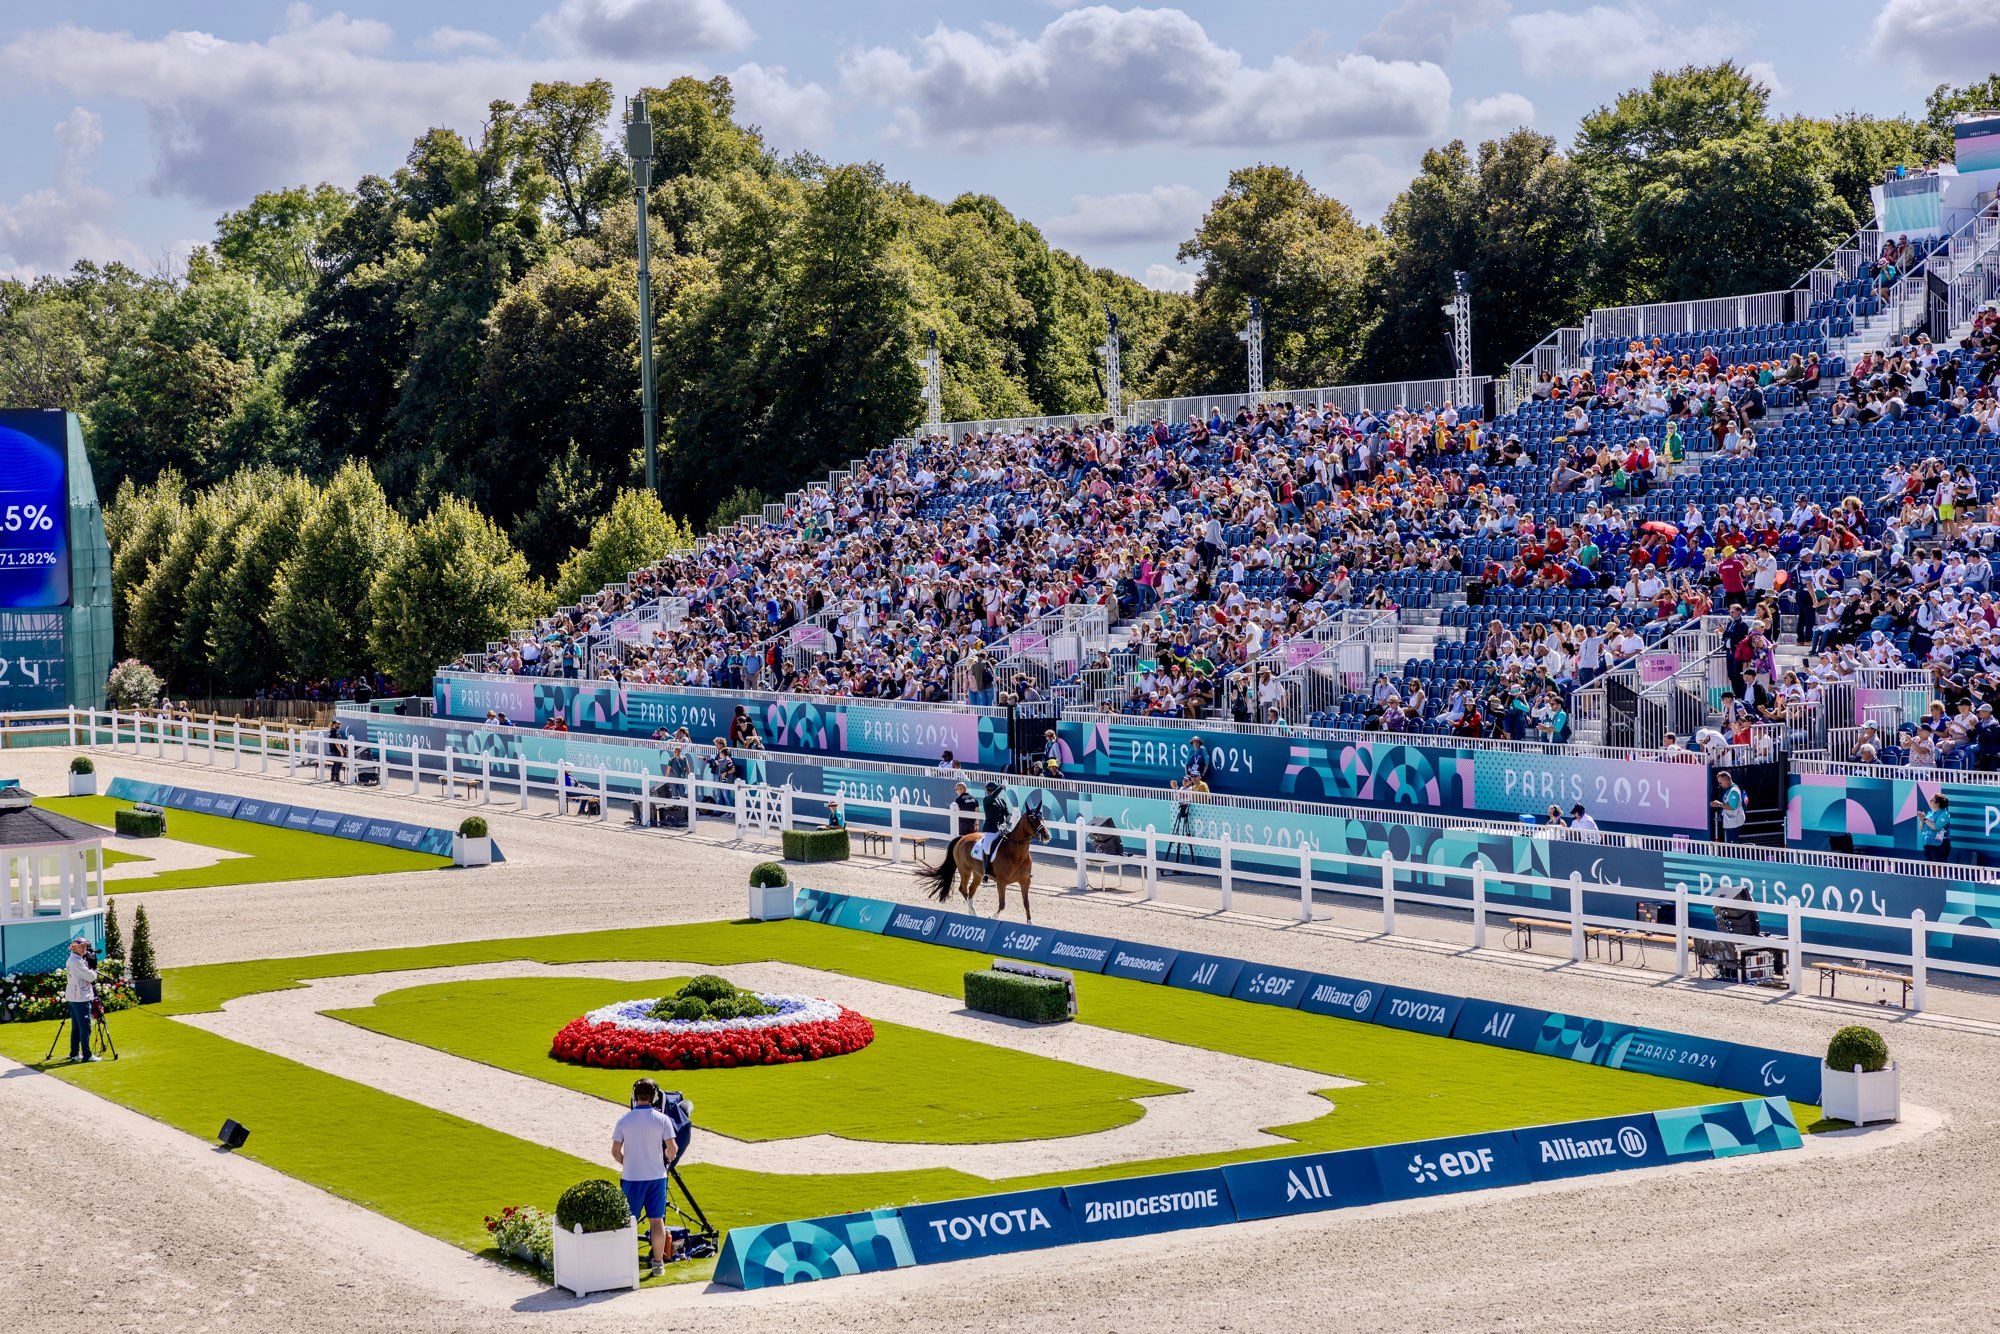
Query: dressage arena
{"type": "Point", "coordinates": [385, 1038]}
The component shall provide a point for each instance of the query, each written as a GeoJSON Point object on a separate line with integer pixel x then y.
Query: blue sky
{"type": "Point", "coordinates": [127, 126]}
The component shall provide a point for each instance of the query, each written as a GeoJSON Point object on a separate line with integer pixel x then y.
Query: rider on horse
{"type": "Point", "coordinates": [998, 815]}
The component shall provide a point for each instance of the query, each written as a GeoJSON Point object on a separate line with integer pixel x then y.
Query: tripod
{"type": "Point", "coordinates": [1183, 828]}
{"type": "Point", "coordinates": [100, 1034]}
{"type": "Point", "coordinates": [699, 1228]}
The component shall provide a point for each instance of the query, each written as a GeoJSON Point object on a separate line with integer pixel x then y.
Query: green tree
{"type": "Point", "coordinates": [158, 606]}
{"type": "Point", "coordinates": [454, 583]}
{"type": "Point", "coordinates": [1945, 104]}
{"type": "Point", "coordinates": [564, 125]}
{"type": "Point", "coordinates": [1272, 236]}
{"type": "Point", "coordinates": [319, 600]}
{"type": "Point", "coordinates": [140, 525]}
{"type": "Point", "coordinates": [235, 504]}
{"type": "Point", "coordinates": [280, 237]}
{"type": "Point", "coordinates": [632, 534]}
{"type": "Point", "coordinates": [242, 645]}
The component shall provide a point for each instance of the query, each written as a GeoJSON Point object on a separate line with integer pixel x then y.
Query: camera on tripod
{"type": "Point", "coordinates": [697, 1240]}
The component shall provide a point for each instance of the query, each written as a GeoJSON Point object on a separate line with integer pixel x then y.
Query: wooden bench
{"type": "Point", "coordinates": [1831, 973]}
{"type": "Point", "coordinates": [872, 843]}
{"type": "Point", "coordinates": [1521, 930]}
{"type": "Point", "coordinates": [472, 785]}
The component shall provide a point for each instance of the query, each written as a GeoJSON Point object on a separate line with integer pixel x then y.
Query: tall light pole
{"type": "Point", "coordinates": [1252, 335]}
{"type": "Point", "coordinates": [933, 386]}
{"type": "Point", "coordinates": [639, 148]}
{"type": "Point", "coordinates": [1114, 392]}
{"type": "Point", "coordinates": [1459, 308]}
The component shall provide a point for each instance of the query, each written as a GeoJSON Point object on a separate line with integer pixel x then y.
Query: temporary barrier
{"type": "Point", "coordinates": [306, 819]}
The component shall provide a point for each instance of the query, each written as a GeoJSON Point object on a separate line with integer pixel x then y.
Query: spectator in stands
{"type": "Point", "coordinates": [1934, 829]}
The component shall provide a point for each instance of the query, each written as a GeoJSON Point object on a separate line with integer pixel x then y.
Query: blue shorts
{"type": "Point", "coordinates": [648, 1199]}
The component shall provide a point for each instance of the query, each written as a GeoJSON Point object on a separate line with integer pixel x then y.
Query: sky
{"type": "Point", "coordinates": [128, 126]}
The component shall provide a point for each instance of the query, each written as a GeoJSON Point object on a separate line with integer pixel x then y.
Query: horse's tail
{"type": "Point", "coordinates": [940, 879]}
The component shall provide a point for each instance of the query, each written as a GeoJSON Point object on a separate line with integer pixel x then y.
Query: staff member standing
{"type": "Point", "coordinates": [79, 992]}
{"type": "Point", "coordinates": [642, 1144]}
{"type": "Point", "coordinates": [963, 800]}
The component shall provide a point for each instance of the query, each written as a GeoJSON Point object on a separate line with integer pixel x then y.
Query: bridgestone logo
{"type": "Point", "coordinates": [1428, 1012]}
{"type": "Point", "coordinates": [1109, 1211]}
{"type": "Point", "coordinates": [1094, 953]}
{"type": "Point", "coordinates": [1139, 963]}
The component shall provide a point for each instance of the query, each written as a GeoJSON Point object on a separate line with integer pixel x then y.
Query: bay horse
{"type": "Point", "coordinates": [1013, 862]}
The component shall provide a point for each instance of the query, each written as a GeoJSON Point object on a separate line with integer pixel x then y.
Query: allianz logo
{"type": "Point", "coordinates": [1453, 1163]}
{"type": "Point", "coordinates": [1107, 1211]}
{"type": "Point", "coordinates": [1630, 1141]}
{"type": "Point", "coordinates": [1326, 993]}
{"type": "Point", "coordinates": [1429, 1012]}
{"type": "Point", "coordinates": [1139, 963]}
{"type": "Point", "coordinates": [999, 1223]}
{"type": "Point", "coordinates": [926, 924]}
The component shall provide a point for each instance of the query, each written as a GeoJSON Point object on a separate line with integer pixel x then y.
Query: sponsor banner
{"type": "Point", "coordinates": [350, 826]}
{"type": "Point", "coordinates": [1581, 1148]}
{"type": "Point", "coordinates": [301, 818]}
{"type": "Point", "coordinates": [780, 1253]}
{"type": "Point", "coordinates": [1137, 1206]}
{"type": "Point", "coordinates": [1498, 1025]}
{"type": "Point", "coordinates": [1728, 1129]}
{"type": "Point", "coordinates": [1024, 1220]}
{"type": "Point", "coordinates": [382, 831]}
{"type": "Point", "coordinates": [1772, 1074]}
{"type": "Point", "coordinates": [1141, 963]}
{"type": "Point", "coordinates": [913, 923]}
{"type": "Point", "coordinates": [1447, 1166]}
{"type": "Point", "coordinates": [324, 822]}
{"type": "Point", "coordinates": [131, 789]}
{"type": "Point", "coordinates": [1418, 1011]}
{"type": "Point", "coordinates": [1649, 1051]}
{"type": "Point", "coordinates": [1342, 997]}
{"type": "Point", "coordinates": [263, 812]}
{"type": "Point", "coordinates": [964, 932]}
{"type": "Point", "coordinates": [1024, 942]}
{"type": "Point", "coordinates": [361, 828]}
{"type": "Point", "coordinates": [1266, 985]}
{"type": "Point", "coordinates": [1272, 1187]}
{"type": "Point", "coordinates": [844, 910]}
{"type": "Point", "coordinates": [1205, 972]}
{"type": "Point", "coordinates": [180, 799]}
{"type": "Point", "coordinates": [1085, 954]}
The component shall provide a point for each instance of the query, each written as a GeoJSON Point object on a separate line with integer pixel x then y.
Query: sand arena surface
{"type": "Point", "coordinates": [110, 1219]}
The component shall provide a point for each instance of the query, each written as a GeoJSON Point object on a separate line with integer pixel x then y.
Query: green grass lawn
{"type": "Point", "coordinates": [271, 854]}
{"type": "Point", "coordinates": [385, 1152]}
{"type": "Point", "coordinates": [907, 1086]}
{"type": "Point", "coordinates": [113, 857]}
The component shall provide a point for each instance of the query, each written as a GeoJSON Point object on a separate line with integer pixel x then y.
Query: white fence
{"type": "Point", "coordinates": [1349, 398]}
{"type": "Point", "coordinates": [1257, 873]}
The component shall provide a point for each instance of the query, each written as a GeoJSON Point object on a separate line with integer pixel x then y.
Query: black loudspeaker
{"type": "Point", "coordinates": [233, 1135]}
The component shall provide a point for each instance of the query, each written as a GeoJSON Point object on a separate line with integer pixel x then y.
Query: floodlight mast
{"type": "Point", "coordinates": [1252, 335]}
{"type": "Point", "coordinates": [1460, 310]}
{"type": "Point", "coordinates": [1114, 393]}
{"type": "Point", "coordinates": [933, 386]}
{"type": "Point", "coordinates": [639, 149]}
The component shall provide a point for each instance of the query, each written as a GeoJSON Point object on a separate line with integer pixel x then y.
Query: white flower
{"type": "Point", "coordinates": [635, 1016]}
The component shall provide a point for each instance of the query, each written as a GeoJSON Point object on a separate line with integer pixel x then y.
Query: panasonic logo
{"type": "Point", "coordinates": [1139, 963]}
{"type": "Point", "coordinates": [1108, 1211]}
{"type": "Point", "coordinates": [1000, 1223]}
{"type": "Point", "coordinates": [1429, 1012]}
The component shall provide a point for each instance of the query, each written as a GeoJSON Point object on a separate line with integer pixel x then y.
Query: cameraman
{"type": "Point", "coordinates": [79, 991]}
{"type": "Point", "coordinates": [642, 1144]}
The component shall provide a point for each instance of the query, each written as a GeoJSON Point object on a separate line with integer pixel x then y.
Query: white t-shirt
{"type": "Point", "coordinates": [644, 1131]}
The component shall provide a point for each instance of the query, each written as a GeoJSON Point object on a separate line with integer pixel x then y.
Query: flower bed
{"type": "Point", "coordinates": [627, 1036]}
{"type": "Point", "coordinates": [522, 1231]}
{"type": "Point", "coordinates": [25, 997]}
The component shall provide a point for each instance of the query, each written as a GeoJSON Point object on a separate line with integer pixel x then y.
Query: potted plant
{"type": "Point", "coordinates": [1860, 1083]}
{"type": "Point", "coordinates": [145, 973]}
{"type": "Point", "coordinates": [596, 1242]}
{"type": "Point", "coordinates": [770, 893]}
{"type": "Point", "coordinates": [82, 777]}
{"type": "Point", "coordinates": [472, 846]}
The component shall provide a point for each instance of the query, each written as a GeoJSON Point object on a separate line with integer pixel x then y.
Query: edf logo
{"type": "Point", "coordinates": [1456, 1163]}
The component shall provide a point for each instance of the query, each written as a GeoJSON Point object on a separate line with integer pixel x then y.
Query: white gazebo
{"type": "Point", "coordinates": [53, 884]}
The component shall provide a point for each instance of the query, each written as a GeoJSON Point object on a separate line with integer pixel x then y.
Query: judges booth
{"type": "Point", "coordinates": [51, 884]}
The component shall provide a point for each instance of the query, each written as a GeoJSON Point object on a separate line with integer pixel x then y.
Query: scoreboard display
{"type": "Point", "coordinates": [34, 511]}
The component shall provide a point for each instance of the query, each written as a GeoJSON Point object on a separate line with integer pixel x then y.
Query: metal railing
{"type": "Point", "coordinates": [1348, 398]}
{"type": "Point", "coordinates": [1309, 674]}
{"type": "Point", "coordinates": [1048, 650]}
{"type": "Point", "coordinates": [1665, 317]}
{"type": "Point", "coordinates": [1558, 356]}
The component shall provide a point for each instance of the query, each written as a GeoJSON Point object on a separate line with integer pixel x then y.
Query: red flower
{"type": "Point", "coordinates": [611, 1047]}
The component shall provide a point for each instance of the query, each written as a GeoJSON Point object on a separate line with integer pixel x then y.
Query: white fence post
{"type": "Point", "coordinates": [895, 828]}
{"type": "Point", "coordinates": [238, 725]}
{"type": "Point", "coordinates": [1082, 845]}
{"type": "Point", "coordinates": [1681, 929]}
{"type": "Point", "coordinates": [1228, 875]}
{"type": "Point", "coordinates": [1479, 906]}
{"type": "Point", "coordinates": [603, 796]}
{"type": "Point", "coordinates": [1388, 894]}
{"type": "Point", "coordinates": [1305, 883]}
{"type": "Point", "coordinates": [524, 786]}
{"type": "Point", "coordinates": [737, 792]}
{"type": "Point", "coordinates": [186, 729]}
{"type": "Point", "coordinates": [1920, 966]}
{"type": "Point", "coordinates": [785, 807]}
{"type": "Point", "coordinates": [263, 748]}
{"type": "Point", "coordinates": [693, 801]}
{"type": "Point", "coordinates": [485, 779]}
{"type": "Point", "coordinates": [1152, 864]}
{"type": "Point", "coordinates": [1576, 921]}
{"type": "Point", "coordinates": [1795, 940]}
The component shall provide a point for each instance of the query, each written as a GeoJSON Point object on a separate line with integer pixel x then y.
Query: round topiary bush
{"type": "Point", "coordinates": [729, 1007]}
{"type": "Point", "coordinates": [708, 987]}
{"type": "Point", "coordinates": [598, 1205]}
{"type": "Point", "coordinates": [472, 826]}
{"type": "Point", "coordinates": [690, 1007]}
{"type": "Point", "coordinates": [768, 875]}
{"type": "Point", "coordinates": [1857, 1045]}
{"type": "Point", "coordinates": [82, 765]}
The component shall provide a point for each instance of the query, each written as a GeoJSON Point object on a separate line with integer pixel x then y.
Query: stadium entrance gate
{"type": "Point", "coordinates": [763, 808]}
{"type": "Point", "coordinates": [1027, 724]}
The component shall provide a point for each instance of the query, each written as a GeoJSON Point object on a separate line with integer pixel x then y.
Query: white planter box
{"type": "Point", "coordinates": [587, 1262]}
{"type": "Point", "coordinates": [771, 903]}
{"type": "Point", "coordinates": [83, 785]}
{"type": "Point", "coordinates": [471, 851]}
{"type": "Point", "coordinates": [1862, 1096]}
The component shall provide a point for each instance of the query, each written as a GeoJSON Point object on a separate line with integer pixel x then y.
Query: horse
{"type": "Point", "coordinates": [1013, 862]}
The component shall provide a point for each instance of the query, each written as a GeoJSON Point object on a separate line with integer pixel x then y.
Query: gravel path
{"type": "Point", "coordinates": [129, 1225]}
{"type": "Point", "coordinates": [1229, 1098]}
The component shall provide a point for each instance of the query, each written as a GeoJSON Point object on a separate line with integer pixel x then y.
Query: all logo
{"type": "Point", "coordinates": [1307, 1184]}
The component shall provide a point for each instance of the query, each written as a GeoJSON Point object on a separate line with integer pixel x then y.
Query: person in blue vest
{"type": "Point", "coordinates": [1934, 827]}
{"type": "Point", "coordinates": [996, 815]}
{"type": "Point", "coordinates": [1197, 760]}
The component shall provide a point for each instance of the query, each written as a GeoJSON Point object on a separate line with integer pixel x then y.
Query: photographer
{"type": "Point", "coordinates": [79, 992]}
{"type": "Point", "coordinates": [642, 1144]}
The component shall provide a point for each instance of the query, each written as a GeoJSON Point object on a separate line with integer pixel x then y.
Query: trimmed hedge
{"type": "Point", "coordinates": [139, 824]}
{"type": "Point", "coordinates": [768, 875]}
{"type": "Point", "coordinates": [1857, 1045]}
{"type": "Point", "coordinates": [816, 845]}
{"type": "Point", "coordinates": [597, 1204]}
{"type": "Point", "coordinates": [472, 826]}
{"type": "Point", "coordinates": [1039, 1000]}
{"type": "Point", "coordinates": [82, 765]}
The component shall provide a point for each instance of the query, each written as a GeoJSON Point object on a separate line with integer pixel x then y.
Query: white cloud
{"type": "Point", "coordinates": [452, 41]}
{"type": "Point", "coordinates": [229, 118]}
{"type": "Point", "coordinates": [1167, 278]}
{"type": "Point", "coordinates": [636, 29]}
{"type": "Point", "coordinates": [1764, 72]}
{"type": "Point", "coordinates": [1105, 78]}
{"type": "Point", "coordinates": [1428, 29]}
{"type": "Point", "coordinates": [1365, 183]}
{"type": "Point", "coordinates": [1500, 112]}
{"type": "Point", "coordinates": [1603, 44]}
{"type": "Point", "coordinates": [1941, 40]}
{"type": "Point", "coordinates": [1163, 213]}
{"type": "Point", "coordinates": [51, 228]}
